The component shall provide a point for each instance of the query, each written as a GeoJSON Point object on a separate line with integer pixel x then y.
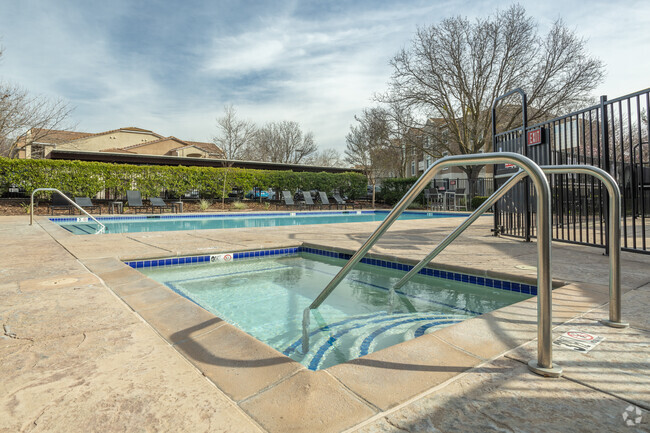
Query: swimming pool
{"type": "Point", "coordinates": [264, 293]}
{"type": "Point", "coordinates": [158, 223]}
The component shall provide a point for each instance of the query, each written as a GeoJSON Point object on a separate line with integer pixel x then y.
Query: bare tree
{"type": "Point", "coordinates": [327, 158]}
{"type": "Point", "coordinates": [453, 71]}
{"type": "Point", "coordinates": [370, 148]}
{"type": "Point", "coordinates": [27, 119]}
{"type": "Point", "coordinates": [282, 142]}
{"type": "Point", "coordinates": [234, 135]}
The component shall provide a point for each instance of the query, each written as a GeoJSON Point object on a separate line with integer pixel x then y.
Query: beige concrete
{"type": "Point", "coordinates": [76, 353]}
{"type": "Point", "coordinates": [236, 362]}
{"type": "Point", "coordinates": [393, 375]}
{"type": "Point", "coordinates": [317, 402]}
{"type": "Point", "coordinates": [503, 396]}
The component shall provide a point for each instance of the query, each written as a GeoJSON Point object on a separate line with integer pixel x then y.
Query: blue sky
{"type": "Point", "coordinates": [172, 66]}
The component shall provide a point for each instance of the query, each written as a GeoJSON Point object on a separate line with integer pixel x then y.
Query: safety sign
{"type": "Point", "coordinates": [578, 341]}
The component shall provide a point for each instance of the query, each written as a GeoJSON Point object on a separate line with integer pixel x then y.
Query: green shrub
{"type": "Point", "coordinates": [393, 190]}
{"type": "Point", "coordinates": [204, 204]}
{"type": "Point", "coordinates": [477, 201]}
{"type": "Point", "coordinates": [90, 178]}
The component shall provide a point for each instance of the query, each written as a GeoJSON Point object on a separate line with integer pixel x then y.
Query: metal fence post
{"type": "Point", "coordinates": [604, 142]}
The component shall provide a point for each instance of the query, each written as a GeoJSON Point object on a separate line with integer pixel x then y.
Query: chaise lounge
{"type": "Point", "coordinates": [87, 204]}
{"type": "Point", "coordinates": [134, 201]}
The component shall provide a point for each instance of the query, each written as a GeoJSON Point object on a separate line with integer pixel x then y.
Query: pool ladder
{"type": "Point", "coordinates": [544, 363]}
{"type": "Point", "coordinates": [102, 227]}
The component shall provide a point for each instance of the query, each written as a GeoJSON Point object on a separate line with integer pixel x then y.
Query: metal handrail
{"type": "Point", "coordinates": [102, 227]}
{"type": "Point", "coordinates": [614, 232]}
{"type": "Point", "coordinates": [488, 203]}
{"type": "Point", "coordinates": [544, 364]}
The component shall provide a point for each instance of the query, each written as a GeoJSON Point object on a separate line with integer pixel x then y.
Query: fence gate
{"type": "Point", "coordinates": [612, 135]}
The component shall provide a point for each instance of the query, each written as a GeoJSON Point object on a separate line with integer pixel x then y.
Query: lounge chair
{"type": "Point", "coordinates": [158, 203]}
{"type": "Point", "coordinates": [134, 201]}
{"type": "Point", "coordinates": [324, 200]}
{"type": "Point", "coordinates": [87, 204]}
{"type": "Point", "coordinates": [309, 202]}
{"type": "Point", "coordinates": [341, 203]}
{"type": "Point", "coordinates": [288, 199]}
{"type": "Point", "coordinates": [60, 203]}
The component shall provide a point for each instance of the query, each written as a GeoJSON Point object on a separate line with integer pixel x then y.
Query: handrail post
{"type": "Point", "coordinates": [613, 234]}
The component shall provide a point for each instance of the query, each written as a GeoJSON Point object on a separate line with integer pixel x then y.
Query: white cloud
{"type": "Point", "coordinates": [319, 72]}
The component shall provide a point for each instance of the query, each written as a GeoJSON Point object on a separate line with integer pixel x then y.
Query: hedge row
{"type": "Point", "coordinates": [90, 178]}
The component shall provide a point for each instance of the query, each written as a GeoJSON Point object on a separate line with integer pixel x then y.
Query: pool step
{"type": "Point", "coordinates": [357, 336]}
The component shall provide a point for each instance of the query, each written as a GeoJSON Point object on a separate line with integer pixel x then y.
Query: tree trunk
{"type": "Point", "coordinates": [223, 195]}
{"type": "Point", "coordinates": [472, 172]}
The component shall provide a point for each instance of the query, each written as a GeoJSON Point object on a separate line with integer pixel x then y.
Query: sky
{"type": "Point", "coordinates": [171, 67]}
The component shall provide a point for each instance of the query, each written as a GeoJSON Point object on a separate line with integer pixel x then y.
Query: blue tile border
{"type": "Point", "coordinates": [429, 272]}
{"type": "Point", "coordinates": [244, 215]}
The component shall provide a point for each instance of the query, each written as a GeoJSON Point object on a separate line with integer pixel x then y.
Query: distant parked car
{"type": "Point", "coordinates": [260, 193]}
{"type": "Point", "coordinates": [193, 194]}
{"type": "Point", "coordinates": [257, 193]}
{"type": "Point", "coordinates": [377, 190]}
{"type": "Point", "coordinates": [236, 193]}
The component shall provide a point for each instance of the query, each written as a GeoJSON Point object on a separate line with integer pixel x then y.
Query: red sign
{"type": "Point", "coordinates": [510, 166]}
{"type": "Point", "coordinates": [534, 137]}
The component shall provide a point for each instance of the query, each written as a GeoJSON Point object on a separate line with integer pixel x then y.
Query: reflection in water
{"type": "Point", "coordinates": [266, 298]}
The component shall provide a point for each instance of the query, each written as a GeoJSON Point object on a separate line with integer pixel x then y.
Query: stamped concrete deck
{"type": "Point", "coordinates": [91, 345]}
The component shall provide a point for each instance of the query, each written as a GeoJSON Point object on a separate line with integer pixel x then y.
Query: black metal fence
{"type": "Point", "coordinates": [483, 186]}
{"type": "Point", "coordinates": [612, 135]}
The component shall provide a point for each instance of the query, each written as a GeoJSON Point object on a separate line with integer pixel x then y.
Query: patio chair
{"type": "Point", "coordinates": [60, 203]}
{"type": "Point", "coordinates": [324, 201]}
{"type": "Point", "coordinates": [159, 203]}
{"type": "Point", "coordinates": [287, 197]}
{"type": "Point", "coordinates": [134, 201]}
{"type": "Point", "coordinates": [342, 203]}
{"type": "Point", "coordinates": [87, 204]}
{"type": "Point", "coordinates": [460, 199]}
{"type": "Point", "coordinates": [434, 198]}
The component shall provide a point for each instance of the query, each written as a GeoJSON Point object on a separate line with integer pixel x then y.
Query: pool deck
{"type": "Point", "coordinates": [90, 344]}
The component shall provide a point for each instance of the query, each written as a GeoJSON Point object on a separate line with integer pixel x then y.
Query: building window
{"type": "Point", "coordinates": [412, 168]}
{"type": "Point", "coordinates": [428, 161]}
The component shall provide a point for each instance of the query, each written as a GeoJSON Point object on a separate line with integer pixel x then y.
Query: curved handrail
{"type": "Point", "coordinates": [614, 232]}
{"type": "Point", "coordinates": [544, 364]}
{"type": "Point", "coordinates": [102, 227]}
{"type": "Point", "coordinates": [461, 228]}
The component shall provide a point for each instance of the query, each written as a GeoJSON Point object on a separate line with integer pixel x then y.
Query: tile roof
{"type": "Point", "coordinates": [208, 147]}
{"type": "Point", "coordinates": [59, 136]}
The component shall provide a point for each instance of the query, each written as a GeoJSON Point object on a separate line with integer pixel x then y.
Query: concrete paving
{"type": "Point", "coordinates": [92, 345]}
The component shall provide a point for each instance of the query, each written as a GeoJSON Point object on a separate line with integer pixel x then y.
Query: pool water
{"type": "Point", "coordinates": [158, 223]}
{"type": "Point", "coordinates": [266, 298]}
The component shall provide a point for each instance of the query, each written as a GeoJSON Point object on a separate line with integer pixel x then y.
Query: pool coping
{"type": "Point", "coordinates": [373, 384]}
